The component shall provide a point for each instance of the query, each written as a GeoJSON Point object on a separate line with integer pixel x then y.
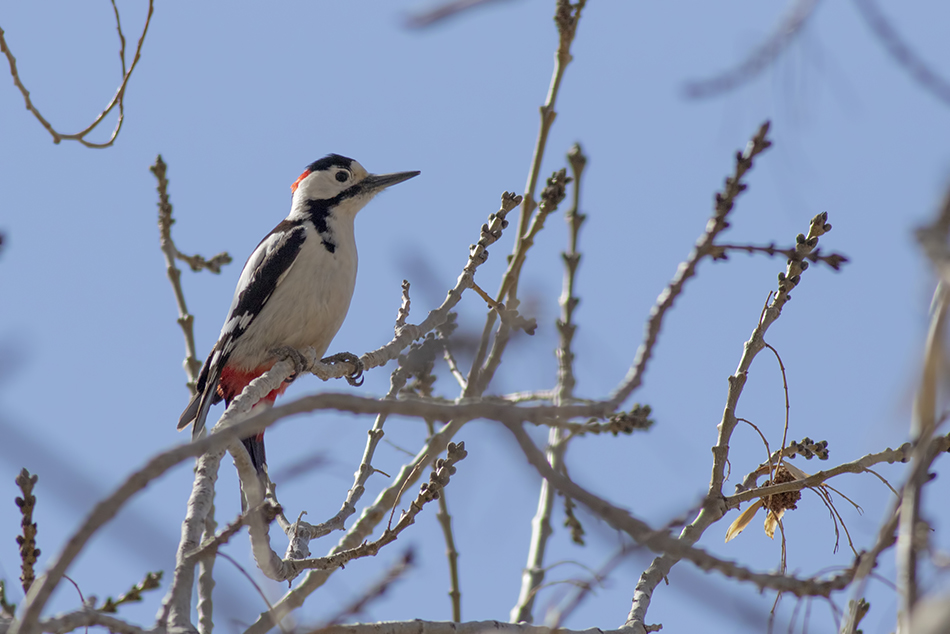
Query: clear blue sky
{"type": "Point", "coordinates": [238, 101]}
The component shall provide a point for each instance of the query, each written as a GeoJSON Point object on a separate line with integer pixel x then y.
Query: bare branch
{"type": "Point", "coordinates": [566, 17]}
{"type": "Point", "coordinates": [429, 491]}
{"type": "Point", "coordinates": [761, 57]}
{"type": "Point", "coordinates": [714, 507]}
{"type": "Point", "coordinates": [117, 100]}
{"type": "Point", "coordinates": [903, 54]}
{"type": "Point", "coordinates": [911, 529]}
{"type": "Point", "coordinates": [301, 533]}
{"type": "Point", "coordinates": [151, 581]}
{"type": "Point", "coordinates": [480, 376]}
{"type": "Point", "coordinates": [85, 618]}
{"type": "Point", "coordinates": [834, 260]}
{"type": "Point", "coordinates": [478, 254]}
{"type": "Point", "coordinates": [533, 575]}
{"type": "Point", "coordinates": [395, 572]}
{"type": "Point", "coordinates": [447, 627]}
{"type": "Point", "coordinates": [861, 465]}
{"type": "Point", "coordinates": [662, 542]}
{"type": "Point", "coordinates": [27, 541]}
{"type": "Point", "coordinates": [185, 319]}
{"type": "Point", "coordinates": [687, 269]}
{"type": "Point", "coordinates": [206, 577]}
{"type": "Point", "coordinates": [443, 11]}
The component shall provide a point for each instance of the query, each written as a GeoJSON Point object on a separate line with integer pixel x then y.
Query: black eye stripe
{"type": "Point", "coordinates": [341, 176]}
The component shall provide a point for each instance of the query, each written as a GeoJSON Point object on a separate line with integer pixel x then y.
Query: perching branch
{"type": "Point", "coordinates": [478, 254]}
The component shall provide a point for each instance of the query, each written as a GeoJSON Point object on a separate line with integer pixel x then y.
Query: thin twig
{"type": "Point", "coordinates": [429, 491]}
{"type": "Point", "coordinates": [27, 540]}
{"type": "Point", "coordinates": [451, 553]}
{"type": "Point", "coordinates": [788, 406]}
{"type": "Point", "coordinates": [902, 53]}
{"type": "Point", "coordinates": [254, 584]}
{"type": "Point", "coordinates": [117, 100]}
{"type": "Point", "coordinates": [533, 575]}
{"type": "Point", "coordinates": [152, 581]}
{"type": "Point", "coordinates": [834, 260]}
{"type": "Point", "coordinates": [715, 507]}
{"type": "Point", "coordinates": [552, 196]}
{"type": "Point", "coordinates": [662, 542]}
{"type": "Point", "coordinates": [478, 255]}
{"type": "Point", "coordinates": [586, 587]}
{"type": "Point", "coordinates": [185, 319]}
{"type": "Point", "coordinates": [442, 12]}
{"type": "Point", "coordinates": [687, 269]}
{"type": "Point", "coordinates": [566, 17]}
{"type": "Point", "coordinates": [375, 591]}
{"type": "Point", "coordinates": [763, 56]}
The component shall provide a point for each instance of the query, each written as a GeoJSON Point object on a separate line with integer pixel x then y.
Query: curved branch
{"type": "Point", "coordinates": [117, 100]}
{"type": "Point", "coordinates": [763, 56]}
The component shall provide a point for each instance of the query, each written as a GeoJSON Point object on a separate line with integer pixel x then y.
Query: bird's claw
{"type": "Point", "coordinates": [299, 360]}
{"type": "Point", "coordinates": [355, 378]}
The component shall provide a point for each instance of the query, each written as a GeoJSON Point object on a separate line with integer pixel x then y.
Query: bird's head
{"type": "Point", "coordinates": [340, 182]}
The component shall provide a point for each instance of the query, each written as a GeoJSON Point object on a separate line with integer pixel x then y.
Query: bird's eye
{"type": "Point", "coordinates": [341, 176]}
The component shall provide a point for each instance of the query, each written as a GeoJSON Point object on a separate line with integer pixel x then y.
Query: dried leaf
{"type": "Point", "coordinates": [795, 471]}
{"type": "Point", "coordinates": [743, 520]}
{"type": "Point", "coordinates": [771, 522]}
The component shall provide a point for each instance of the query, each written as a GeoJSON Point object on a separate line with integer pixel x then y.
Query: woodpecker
{"type": "Point", "coordinates": [294, 290]}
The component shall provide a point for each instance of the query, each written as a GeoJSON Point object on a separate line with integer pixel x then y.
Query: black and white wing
{"type": "Point", "coordinates": [265, 269]}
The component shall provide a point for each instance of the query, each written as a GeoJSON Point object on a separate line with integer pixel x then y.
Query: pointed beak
{"type": "Point", "coordinates": [377, 182]}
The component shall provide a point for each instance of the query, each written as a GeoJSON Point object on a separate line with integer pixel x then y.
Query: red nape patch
{"type": "Point", "coordinates": [233, 381]}
{"type": "Point", "coordinates": [293, 188]}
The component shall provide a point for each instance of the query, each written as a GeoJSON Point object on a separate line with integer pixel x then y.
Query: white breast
{"type": "Point", "coordinates": [309, 304]}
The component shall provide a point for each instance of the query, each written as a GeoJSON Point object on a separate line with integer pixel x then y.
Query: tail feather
{"type": "Point", "coordinates": [206, 393]}
{"type": "Point", "coordinates": [231, 382]}
{"type": "Point", "coordinates": [199, 405]}
{"type": "Point", "coordinates": [206, 400]}
{"type": "Point", "coordinates": [255, 447]}
{"type": "Point", "coordinates": [190, 412]}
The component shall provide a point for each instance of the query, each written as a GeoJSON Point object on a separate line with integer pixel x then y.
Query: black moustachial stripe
{"type": "Point", "coordinates": [319, 212]}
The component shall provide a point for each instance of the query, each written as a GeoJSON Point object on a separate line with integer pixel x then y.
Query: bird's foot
{"type": "Point", "coordinates": [301, 364]}
{"type": "Point", "coordinates": [355, 378]}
